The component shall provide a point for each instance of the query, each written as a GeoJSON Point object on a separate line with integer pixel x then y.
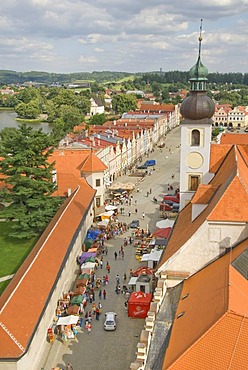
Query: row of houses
{"type": "Point", "coordinates": [227, 116]}
{"type": "Point", "coordinates": [122, 144]}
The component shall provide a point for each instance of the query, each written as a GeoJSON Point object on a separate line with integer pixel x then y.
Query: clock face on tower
{"type": "Point", "coordinates": [194, 160]}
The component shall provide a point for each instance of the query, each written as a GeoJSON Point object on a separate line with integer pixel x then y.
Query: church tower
{"type": "Point", "coordinates": [196, 130]}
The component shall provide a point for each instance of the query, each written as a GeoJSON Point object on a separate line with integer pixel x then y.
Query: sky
{"type": "Point", "coordinates": [65, 36]}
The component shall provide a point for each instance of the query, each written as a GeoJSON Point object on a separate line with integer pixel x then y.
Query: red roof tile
{"type": "Point", "coordinates": [212, 331]}
{"type": "Point", "coordinates": [226, 204]}
{"type": "Point", "coordinates": [23, 301]}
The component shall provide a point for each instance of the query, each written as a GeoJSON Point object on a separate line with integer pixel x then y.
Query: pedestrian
{"type": "Point", "coordinates": [117, 278]}
{"type": "Point", "coordinates": [136, 211]}
{"type": "Point", "coordinates": [115, 254]}
{"type": "Point", "coordinates": [81, 322]}
{"type": "Point", "coordinates": [118, 289]}
{"type": "Point", "coordinates": [108, 268]}
{"type": "Point", "coordinates": [106, 251]}
{"type": "Point", "coordinates": [69, 366]}
{"type": "Point", "coordinates": [101, 264]}
{"type": "Point", "coordinates": [122, 255]}
{"type": "Point", "coordinates": [89, 328]}
{"type": "Point", "coordinates": [125, 277]}
{"type": "Point", "coordinates": [143, 215]}
{"type": "Point", "coordinates": [100, 294]}
{"type": "Point", "coordinates": [106, 278]}
{"type": "Point", "coordinates": [129, 213]}
{"type": "Point", "coordinates": [97, 314]}
{"type": "Point", "coordinates": [104, 294]}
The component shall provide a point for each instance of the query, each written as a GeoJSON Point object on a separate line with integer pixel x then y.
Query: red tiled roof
{"type": "Point", "coordinates": [217, 155]}
{"type": "Point", "coordinates": [93, 164]}
{"type": "Point", "coordinates": [203, 194]}
{"type": "Point", "coordinates": [23, 301]}
{"type": "Point", "coordinates": [212, 331]}
{"type": "Point", "coordinates": [234, 139]}
{"type": "Point", "coordinates": [72, 161]}
{"type": "Point", "coordinates": [226, 203]}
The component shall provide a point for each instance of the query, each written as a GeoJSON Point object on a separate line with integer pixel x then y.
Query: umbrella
{"type": "Point", "coordinates": [77, 300]}
{"type": "Point", "coordinates": [79, 290]}
{"type": "Point", "coordinates": [81, 282]}
{"type": "Point", "coordinates": [73, 310]}
{"type": "Point", "coordinates": [88, 243]}
{"type": "Point", "coordinates": [165, 223]}
{"type": "Point", "coordinates": [90, 259]}
{"type": "Point", "coordinates": [84, 276]}
{"type": "Point", "coordinates": [115, 186]}
{"type": "Point", "coordinates": [128, 186]}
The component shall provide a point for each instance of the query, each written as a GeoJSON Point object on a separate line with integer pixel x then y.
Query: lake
{"type": "Point", "coordinates": [7, 119]}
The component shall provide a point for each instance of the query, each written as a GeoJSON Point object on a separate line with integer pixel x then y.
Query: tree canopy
{"type": "Point", "coordinates": [28, 178]}
{"type": "Point", "coordinates": [124, 102]}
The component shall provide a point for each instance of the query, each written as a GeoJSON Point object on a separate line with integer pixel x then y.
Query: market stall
{"type": "Point", "coordinates": [139, 304]}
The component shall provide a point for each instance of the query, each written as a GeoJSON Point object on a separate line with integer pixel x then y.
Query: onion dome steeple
{"type": "Point", "coordinates": [198, 105]}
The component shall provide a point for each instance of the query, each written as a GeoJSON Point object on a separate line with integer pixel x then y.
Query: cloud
{"type": "Point", "coordinates": [122, 34]}
{"type": "Point", "coordinates": [87, 60]}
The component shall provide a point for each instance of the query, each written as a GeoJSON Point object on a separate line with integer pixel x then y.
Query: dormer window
{"type": "Point", "coordinates": [185, 296]}
{"type": "Point", "coordinates": [180, 314]}
{"type": "Point", "coordinates": [195, 138]}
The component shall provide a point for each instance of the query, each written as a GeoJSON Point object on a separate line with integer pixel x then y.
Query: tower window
{"type": "Point", "coordinates": [194, 181]}
{"type": "Point", "coordinates": [195, 138]}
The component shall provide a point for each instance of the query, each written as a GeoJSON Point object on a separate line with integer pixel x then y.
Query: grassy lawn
{"type": "Point", "coordinates": [12, 252]}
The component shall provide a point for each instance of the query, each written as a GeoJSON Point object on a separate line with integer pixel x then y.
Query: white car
{"type": "Point", "coordinates": [110, 321]}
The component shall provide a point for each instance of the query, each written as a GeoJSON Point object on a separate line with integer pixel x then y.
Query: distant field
{"type": "Point", "coordinates": [12, 252]}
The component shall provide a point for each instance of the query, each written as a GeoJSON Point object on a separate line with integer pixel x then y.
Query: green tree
{"type": "Point", "coordinates": [124, 102]}
{"type": "Point", "coordinates": [30, 110]}
{"type": "Point", "coordinates": [97, 119]}
{"type": "Point", "coordinates": [29, 180]}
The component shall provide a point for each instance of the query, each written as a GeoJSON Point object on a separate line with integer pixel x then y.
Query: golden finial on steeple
{"type": "Point", "coordinates": [200, 38]}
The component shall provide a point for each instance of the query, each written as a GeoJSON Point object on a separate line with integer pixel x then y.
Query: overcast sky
{"type": "Point", "coordinates": [122, 35]}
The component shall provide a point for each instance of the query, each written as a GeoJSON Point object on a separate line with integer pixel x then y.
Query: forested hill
{"type": "Point", "coordinates": [13, 77]}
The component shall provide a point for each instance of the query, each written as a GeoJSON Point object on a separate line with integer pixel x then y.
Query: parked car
{"type": "Point", "coordinates": [134, 224]}
{"type": "Point", "coordinates": [246, 129]}
{"type": "Point", "coordinates": [172, 198]}
{"type": "Point", "coordinates": [150, 162]}
{"type": "Point", "coordinates": [141, 167]}
{"type": "Point", "coordinates": [110, 321]}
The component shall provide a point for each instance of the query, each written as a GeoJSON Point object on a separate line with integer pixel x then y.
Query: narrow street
{"type": "Point", "coordinates": [115, 350]}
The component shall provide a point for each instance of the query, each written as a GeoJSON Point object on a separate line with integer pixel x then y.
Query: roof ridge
{"type": "Point", "coordinates": [236, 343]}
{"type": "Point", "coordinates": [244, 161]}
{"type": "Point", "coordinates": [12, 337]}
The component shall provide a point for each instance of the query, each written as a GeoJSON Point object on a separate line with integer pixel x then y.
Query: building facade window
{"type": "Point", "coordinates": [194, 181]}
{"type": "Point", "coordinates": [98, 182]}
{"type": "Point", "coordinates": [195, 138]}
{"type": "Point", "coordinates": [98, 201]}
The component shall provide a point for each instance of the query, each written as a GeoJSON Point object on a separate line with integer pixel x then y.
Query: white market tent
{"type": "Point", "coordinates": [104, 222]}
{"type": "Point", "coordinates": [110, 208]}
{"type": "Point", "coordinates": [133, 280]}
{"type": "Point", "coordinates": [153, 256]}
{"type": "Point", "coordinates": [164, 223]}
{"type": "Point", "coordinates": [67, 320]}
{"type": "Point", "coordinates": [88, 265]}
